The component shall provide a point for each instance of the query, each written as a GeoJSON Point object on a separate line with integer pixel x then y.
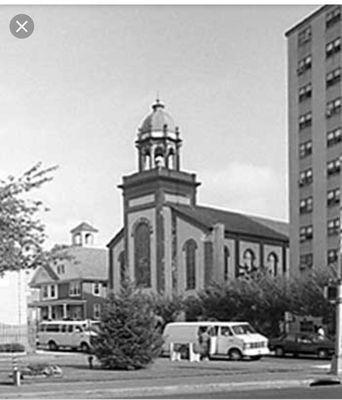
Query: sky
{"type": "Point", "coordinates": [75, 92]}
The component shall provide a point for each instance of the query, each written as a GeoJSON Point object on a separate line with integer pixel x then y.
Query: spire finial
{"type": "Point", "coordinates": [158, 103]}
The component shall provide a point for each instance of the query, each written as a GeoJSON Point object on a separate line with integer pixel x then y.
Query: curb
{"type": "Point", "coordinates": [139, 392]}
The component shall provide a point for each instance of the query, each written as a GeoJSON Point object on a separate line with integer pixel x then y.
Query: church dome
{"type": "Point", "coordinates": [157, 120]}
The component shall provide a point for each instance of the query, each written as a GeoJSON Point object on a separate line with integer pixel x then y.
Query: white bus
{"type": "Point", "coordinates": [233, 339]}
{"type": "Point", "coordinates": [63, 334]}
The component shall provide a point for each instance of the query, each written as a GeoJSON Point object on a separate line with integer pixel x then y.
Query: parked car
{"type": "Point", "coordinates": [302, 343]}
{"type": "Point", "coordinates": [233, 339]}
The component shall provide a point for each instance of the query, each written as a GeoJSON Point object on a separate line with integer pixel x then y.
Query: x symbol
{"type": "Point", "coordinates": [21, 26]}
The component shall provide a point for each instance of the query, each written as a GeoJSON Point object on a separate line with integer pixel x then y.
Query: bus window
{"type": "Point", "coordinates": [70, 328]}
{"type": "Point", "coordinates": [226, 331]}
{"type": "Point", "coordinates": [52, 328]}
{"type": "Point", "coordinates": [78, 329]}
{"type": "Point", "coordinates": [63, 328]}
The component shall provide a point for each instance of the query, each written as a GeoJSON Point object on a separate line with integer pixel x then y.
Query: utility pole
{"type": "Point", "coordinates": [336, 363]}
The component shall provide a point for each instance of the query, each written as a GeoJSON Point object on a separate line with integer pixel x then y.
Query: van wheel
{"type": "Point", "coordinates": [53, 346]}
{"type": "Point", "coordinates": [84, 347]}
{"type": "Point", "coordinates": [235, 354]}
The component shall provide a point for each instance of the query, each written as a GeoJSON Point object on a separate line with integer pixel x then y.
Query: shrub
{"type": "Point", "coordinates": [128, 338]}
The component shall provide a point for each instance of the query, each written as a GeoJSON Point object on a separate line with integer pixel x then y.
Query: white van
{"type": "Point", "coordinates": [233, 339]}
{"type": "Point", "coordinates": [72, 334]}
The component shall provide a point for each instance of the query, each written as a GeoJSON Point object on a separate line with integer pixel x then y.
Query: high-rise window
{"type": "Point", "coordinates": [305, 120]}
{"type": "Point", "coordinates": [333, 107]}
{"type": "Point", "coordinates": [333, 197]}
{"type": "Point", "coordinates": [304, 36]}
{"type": "Point", "coordinates": [305, 177]}
{"type": "Point", "coordinates": [333, 47]}
{"type": "Point", "coordinates": [333, 226]}
{"type": "Point", "coordinates": [333, 167]}
{"type": "Point", "coordinates": [306, 260]}
{"type": "Point", "coordinates": [305, 149]}
{"type": "Point", "coordinates": [332, 17]}
{"type": "Point", "coordinates": [334, 137]}
{"type": "Point", "coordinates": [304, 65]}
{"type": "Point", "coordinates": [305, 205]}
{"type": "Point", "coordinates": [333, 77]}
{"type": "Point", "coordinates": [305, 233]}
{"type": "Point", "coordinates": [332, 256]}
{"type": "Point", "coordinates": [305, 92]}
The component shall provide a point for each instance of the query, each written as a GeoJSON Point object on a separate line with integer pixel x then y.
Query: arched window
{"type": "Point", "coordinates": [226, 263]}
{"type": "Point", "coordinates": [159, 160]}
{"type": "Point", "coordinates": [190, 247]}
{"type": "Point", "coordinates": [122, 267]}
{"type": "Point", "coordinates": [142, 256]}
{"type": "Point", "coordinates": [273, 264]}
{"type": "Point", "coordinates": [170, 159]}
{"type": "Point", "coordinates": [248, 261]}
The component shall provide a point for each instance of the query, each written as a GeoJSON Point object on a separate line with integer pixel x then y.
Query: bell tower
{"type": "Point", "coordinates": [158, 141]}
{"type": "Point", "coordinates": [148, 197]}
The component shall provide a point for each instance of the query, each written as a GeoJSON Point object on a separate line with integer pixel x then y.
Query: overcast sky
{"type": "Point", "coordinates": [76, 91]}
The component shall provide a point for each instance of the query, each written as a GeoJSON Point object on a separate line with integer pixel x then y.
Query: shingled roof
{"type": "Point", "coordinates": [235, 222]}
{"type": "Point", "coordinates": [84, 226]}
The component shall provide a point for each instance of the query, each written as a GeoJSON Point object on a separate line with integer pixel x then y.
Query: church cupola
{"type": "Point", "coordinates": [83, 235]}
{"type": "Point", "coordinates": [158, 140]}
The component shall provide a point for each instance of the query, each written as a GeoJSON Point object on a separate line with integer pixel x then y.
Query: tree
{"type": "Point", "coordinates": [21, 232]}
{"type": "Point", "coordinates": [128, 337]}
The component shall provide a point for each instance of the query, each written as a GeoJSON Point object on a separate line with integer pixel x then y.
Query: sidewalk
{"type": "Point", "coordinates": [166, 378]}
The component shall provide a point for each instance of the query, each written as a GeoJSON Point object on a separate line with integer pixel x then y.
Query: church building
{"type": "Point", "coordinates": [169, 243]}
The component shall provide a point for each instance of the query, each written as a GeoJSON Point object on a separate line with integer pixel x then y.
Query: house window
{"type": "Point", "coordinates": [142, 254]}
{"type": "Point", "coordinates": [333, 47]}
{"type": "Point", "coordinates": [60, 269]}
{"type": "Point", "coordinates": [304, 36]}
{"type": "Point", "coordinates": [333, 167]}
{"type": "Point", "coordinates": [305, 205]}
{"type": "Point", "coordinates": [190, 247]}
{"type": "Point", "coordinates": [96, 288]}
{"type": "Point", "coordinates": [306, 261]}
{"type": "Point", "coordinates": [305, 120]}
{"type": "Point", "coordinates": [45, 292]}
{"type": "Point", "coordinates": [333, 226]}
{"type": "Point", "coordinates": [334, 137]}
{"type": "Point", "coordinates": [333, 197]}
{"type": "Point", "coordinates": [332, 17]}
{"type": "Point", "coordinates": [304, 65]}
{"type": "Point", "coordinates": [305, 92]}
{"type": "Point", "coordinates": [332, 256]}
{"type": "Point", "coordinates": [305, 233]}
{"type": "Point", "coordinates": [273, 263]}
{"type": "Point", "coordinates": [97, 311]}
{"type": "Point", "coordinates": [305, 149]}
{"type": "Point", "coordinates": [333, 77]}
{"type": "Point", "coordinates": [226, 263]}
{"type": "Point", "coordinates": [305, 177]}
{"type": "Point", "coordinates": [333, 107]}
{"type": "Point", "coordinates": [75, 288]}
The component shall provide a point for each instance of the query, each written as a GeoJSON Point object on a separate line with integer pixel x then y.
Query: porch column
{"type": "Point", "coordinates": [49, 312]}
{"type": "Point", "coordinates": [65, 312]}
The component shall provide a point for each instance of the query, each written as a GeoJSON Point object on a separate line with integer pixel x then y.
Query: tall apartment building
{"type": "Point", "coordinates": [315, 138]}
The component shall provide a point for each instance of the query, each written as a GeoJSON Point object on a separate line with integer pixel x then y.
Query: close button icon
{"type": "Point", "coordinates": [21, 26]}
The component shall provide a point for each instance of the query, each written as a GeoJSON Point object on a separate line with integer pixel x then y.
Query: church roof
{"type": "Point", "coordinates": [157, 119]}
{"type": "Point", "coordinates": [235, 222]}
{"type": "Point", "coordinates": [84, 226]}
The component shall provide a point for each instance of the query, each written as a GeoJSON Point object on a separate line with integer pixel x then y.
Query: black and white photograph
{"type": "Point", "coordinates": [170, 201]}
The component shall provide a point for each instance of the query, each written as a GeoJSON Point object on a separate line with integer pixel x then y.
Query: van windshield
{"type": "Point", "coordinates": [243, 329]}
